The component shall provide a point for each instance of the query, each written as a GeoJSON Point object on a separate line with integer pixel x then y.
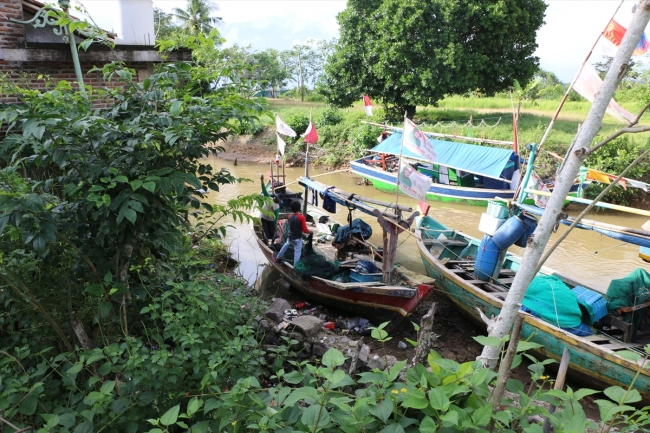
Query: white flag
{"type": "Point", "coordinates": [281, 144]}
{"type": "Point", "coordinates": [537, 184]}
{"type": "Point", "coordinates": [588, 85]}
{"type": "Point", "coordinates": [413, 183]}
{"type": "Point", "coordinates": [418, 143]}
{"type": "Point", "coordinates": [283, 128]}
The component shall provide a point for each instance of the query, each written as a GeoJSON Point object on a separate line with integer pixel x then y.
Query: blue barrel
{"type": "Point", "coordinates": [509, 232]}
{"type": "Point", "coordinates": [531, 225]}
{"type": "Point", "coordinates": [486, 259]}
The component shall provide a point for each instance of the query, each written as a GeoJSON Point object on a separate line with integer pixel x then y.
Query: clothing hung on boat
{"type": "Point", "coordinates": [328, 204]}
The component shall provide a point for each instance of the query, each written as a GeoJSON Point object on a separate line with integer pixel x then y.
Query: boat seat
{"type": "Point", "coordinates": [620, 325]}
{"type": "Point", "coordinates": [505, 280]}
{"type": "Point", "coordinates": [448, 242]}
{"type": "Point", "coordinates": [493, 287]}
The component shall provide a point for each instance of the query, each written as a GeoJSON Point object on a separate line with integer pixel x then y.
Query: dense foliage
{"type": "Point", "coordinates": [410, 53]}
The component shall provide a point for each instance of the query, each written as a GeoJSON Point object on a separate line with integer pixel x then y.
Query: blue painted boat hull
{"type": "Point", "coordinates": [593, 359]}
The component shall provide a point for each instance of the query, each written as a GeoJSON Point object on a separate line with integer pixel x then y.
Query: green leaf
{"type": "Point", "coordinates": [106, 199]}
{"type": "Point", "coordinates": [176, 107]}
{"type": "Point", "coordinates": [95, 289]}
{"type": "Point", "coordinates": [84, 427]}
{"type": "Point", "coordinates": [488, 341]}
{"type": "Point", "coordinates": [383, 409]}
{"type": "Point", "coordinates": [74, 369]}
{"type": "Point", "coordinates": [108, 387]}
{"type": "Point", "coordinates": [301, 394]}
{"type": "Point", "coordinates": [51, 419]}
{"type": "Point", "coordinates": [439, 401]}
{"type": "Point", "coordinates": [105, 368]}
{"type": "Point", "coordinates": [416, 400]}
{"type": "Point", "coordinates": [130, 215]}
{"type": "Point", "coordinates": [67, 420]}
{"type": "Point", "coordinates": [447, 364]}
{"type": "Point", "coordinates": [210, 405]}
{"type": "Point", "coordinates": [523, 346]}
{"type": "Point", "coordinates": [293, 377]}
{"type": "Point", "coordinates": [122, 179]}
{"type": "Point", "coordinates": [120, 405]}
{"type": "Point", "coordinates": [583, 392]}
{"type": "Point", "coordinates": [135, 184]}
{"type": "Point", "coordinates": [28, 406]}
{"type": "Point", "coordinates": [392, 428]}
{"type": "Point", "coordinates": [194, 405]}
{"type": "Point", "coordinates": [333, 358]}
{"type": "Point", "coordinates": [149, 186]}
{"type": "Point", "coordinates": [170, 416]}
{"type": "Point", "coordinates": [311, 415]}
{"type": "Point", "coordinates": [39, 243]}
{"type": "Point", "coordinates": [108, 277]}
{"type": "Point", "coordinates": [450, 418]}
{"type": "Point", "coordinates": [428, 425]}
{"type": "Point", "coordinates": [482, 415]}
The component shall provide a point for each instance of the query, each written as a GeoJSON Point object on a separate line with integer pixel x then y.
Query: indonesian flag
{"type": "Point", "coordinates": [310, 136]}
{"type": "Point", "coordinates": [281, 144]}
{"type": "Point", "coordinates": [614, 34]}
{"type": "Point", "coordinates": [415, 141]}
{"type": "Point", "coordinates": [413, 183]}
{"type": "Point", "coordinates": [283, 128]}
{"type": "Point", "coordinates": [368, 104]}
{"type": "Point", "coordinates": [588, 85]}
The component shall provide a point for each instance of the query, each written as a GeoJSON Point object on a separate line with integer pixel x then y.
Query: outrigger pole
{"type": "Point", "coordinates": [568, 90]}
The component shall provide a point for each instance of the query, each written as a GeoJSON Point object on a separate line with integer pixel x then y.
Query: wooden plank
{"type": "Point", "coordinates": [347, 286]}
{"type": "Point", "coordinates": [475, 282]}
{"type": "Point", "coordinates": [445, 242]}
{"type": "Point", "coordinates": [395, 291]}
{"type": "Point", "coordinates": [597, 337]}
{"type": "Point", "coordinates": [505, 280]}
{"type": "Point", "coordinates": [495, 288]}
{"type": "Point", "coordinates": [460, 262]}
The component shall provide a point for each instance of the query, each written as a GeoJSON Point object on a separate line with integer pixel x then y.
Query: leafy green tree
{"type": "Point", "coordinates": [268, 71]}
{"type": "Point", "coordinates": [302, 62]}
{"type": "Point", "coordinates": [163, 23]}
{"type": "Point", "coordinates": [197, 17]}
{"type": "Point", "coordinates": [411, 52]}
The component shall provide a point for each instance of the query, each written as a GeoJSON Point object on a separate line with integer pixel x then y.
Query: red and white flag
{"type": "Point", "coordinates": [588, 85]}
{"type": "Point", "coordinates": [310, 136]}
{"type": "Point", "coordinates": [613, 36]}
{"type": "Point", "coordinates": [415, 141]}
{"type": "Point", "coordinates": [413, 183]}
{"type": "Point", "coordinates": [368, 104]}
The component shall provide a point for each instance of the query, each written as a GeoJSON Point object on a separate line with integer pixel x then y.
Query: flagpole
{"type": "Point", "coordinates": [399, 170]}
{"type": "Point", "coordinates": [575, 78]}
{"type": "Point", "coordinates": [306, 197]}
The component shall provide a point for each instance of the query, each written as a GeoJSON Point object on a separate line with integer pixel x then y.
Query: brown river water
{"type": "Point", "coordinates": [587, 256]}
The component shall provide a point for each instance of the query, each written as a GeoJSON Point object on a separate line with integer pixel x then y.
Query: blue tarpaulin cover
{"type": "Point", "coordinates": [481, 160]}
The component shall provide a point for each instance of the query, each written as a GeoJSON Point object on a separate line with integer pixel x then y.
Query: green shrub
{"type": "Point", "coordinates": [298, 122]}
{"type": "Point", "coordinates": [331, 116]}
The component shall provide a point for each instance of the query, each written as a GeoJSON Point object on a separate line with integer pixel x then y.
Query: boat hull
{"type": "Point", "coordinates": [590, 363]}
{"type": "Point", "coordinates": [387, 182]}
{"type": "Point", "coordinates": [376, 308]}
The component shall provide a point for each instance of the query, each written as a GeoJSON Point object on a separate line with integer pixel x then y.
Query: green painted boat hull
{"type": "Point", "coordinates": [590, 365]}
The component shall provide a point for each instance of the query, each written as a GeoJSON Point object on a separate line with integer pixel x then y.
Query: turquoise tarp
{"type": "Point", "coordinates": [481, 160]}
{"type": "Point", "coordinates": [553, 301]}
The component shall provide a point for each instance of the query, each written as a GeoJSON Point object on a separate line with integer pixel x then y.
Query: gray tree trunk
{"type": "Point", "coordinates": [503, 323]}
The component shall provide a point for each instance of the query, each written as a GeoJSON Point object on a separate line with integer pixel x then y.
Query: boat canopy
{"type": "Point", "coordinates": [480, 160]}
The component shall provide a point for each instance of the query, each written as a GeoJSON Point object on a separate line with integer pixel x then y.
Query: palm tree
{"type": "Point", "coordinates": [197, 16]}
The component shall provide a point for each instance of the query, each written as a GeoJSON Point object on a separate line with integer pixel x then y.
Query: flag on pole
{"type": "Point", "coordinates": [614, 33]}
{"type": "Point", "coordinates": [283, 128]}
{"type": "Point", "coordinates": [413, 183]}
{"type": "Point", "coordinates": [415, 141]}
{"type": "Point", "coordinates": [281, 144]}
{"type": "Point", "coordinates": [588, 85]}
{"type": "Point", "coordinates": [537, 184]}
{"type": "Point", "coordinates": [310, 136]}
{"type": "Point", "coordinates": [368, 104]}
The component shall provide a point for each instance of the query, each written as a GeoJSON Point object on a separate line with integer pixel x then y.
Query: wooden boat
{"type": "Point", "coordinates": [595, 359]}
{"type": "Point", "coordinates": [388, 296]}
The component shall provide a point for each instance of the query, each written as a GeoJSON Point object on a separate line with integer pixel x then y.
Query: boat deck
{"type": "Point", "coordinates": [499, 288]}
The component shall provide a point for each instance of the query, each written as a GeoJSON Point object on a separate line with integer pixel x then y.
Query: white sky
{"type": "Point", "coordinates": [571, 26]}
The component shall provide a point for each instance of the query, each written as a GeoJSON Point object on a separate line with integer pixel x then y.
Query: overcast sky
{"type": "Point", "coordinates": [571, 28]}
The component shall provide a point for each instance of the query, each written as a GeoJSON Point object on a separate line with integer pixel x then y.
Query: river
{"type": "Point", "coordinates": [585, 255]}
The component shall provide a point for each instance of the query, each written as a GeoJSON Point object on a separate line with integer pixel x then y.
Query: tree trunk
{"type": "Point", "coordinates": [410, 111]}
{"type": "Point", "coordinates": [302, 87]}
{"type": "Point", "coordinates": [503, 323]}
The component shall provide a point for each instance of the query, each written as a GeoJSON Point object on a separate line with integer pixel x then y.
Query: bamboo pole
{"type": "Point", "coordinates": [590, 202]}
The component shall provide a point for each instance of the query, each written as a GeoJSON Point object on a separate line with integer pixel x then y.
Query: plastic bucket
{"type": "Point", "coordinates": [509, 232]}
{"type": "Point", "coordinates": [531, 224]}
{"type": "Point", "coordinates": [486, 259]}
{"type": "Point", "coordinates": [497, 209]}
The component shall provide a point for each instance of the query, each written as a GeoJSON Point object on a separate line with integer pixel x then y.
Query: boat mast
{"type": "Point", "coordinates": [305, 199]}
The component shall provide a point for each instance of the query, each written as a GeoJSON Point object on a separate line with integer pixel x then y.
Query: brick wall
{"type": "Point", "coordinates": [27, 73]}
